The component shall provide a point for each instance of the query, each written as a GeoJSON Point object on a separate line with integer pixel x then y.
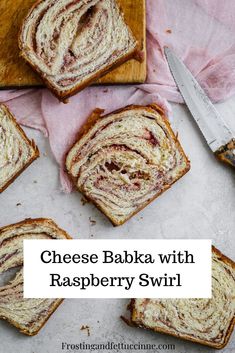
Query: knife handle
{"type": "Point", "coordinates": [226, 153]}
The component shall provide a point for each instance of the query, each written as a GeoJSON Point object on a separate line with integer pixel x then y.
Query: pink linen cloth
{"type": "Point", "coordinates": [201, 32]}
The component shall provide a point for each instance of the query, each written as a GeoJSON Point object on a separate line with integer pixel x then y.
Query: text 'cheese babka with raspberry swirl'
{"type": "Point", "coordinates": [71, 43]}
{"type": "Point", "coordinates": [206, 321]}
{"type": "Point", "coordinates": [124, 160]}
{"type": "Point", "coordinates": [28, 315]}
{"type": "Point", "coordinates": [16, 151]}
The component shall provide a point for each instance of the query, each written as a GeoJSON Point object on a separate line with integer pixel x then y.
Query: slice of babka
{"type": "Point", "coordinates": [206, 321]}
{"type": "Point", "coordinates": [73, 43]}
{"type": "Point", "coordinates": [28, 315]}
{"type": "Point", "coordinates": [17, 152]}
{"type": "Point", "coordinates": [124, 160]}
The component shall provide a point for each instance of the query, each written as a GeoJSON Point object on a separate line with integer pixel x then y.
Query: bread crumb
{"type": "Point", "coordinates": [168, 31]}
{"type": "Point", "coordinates": [86, 328]}
{"type": "Point", "coordinates": [84, 201]}
{"type": "Point", "coordinates": [92, 221]}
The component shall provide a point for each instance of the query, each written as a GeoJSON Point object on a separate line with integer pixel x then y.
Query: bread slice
{"type": "Point", "coordinates": [73, 43]}
{"type": "Point", "coordinates": [124, 160]}
{"type": "Point", "coordinates": [17, 152]}
{"type": "Point", "coordinates": [206, 321]}
{"type": "Point", "coordinates": [28, 315]}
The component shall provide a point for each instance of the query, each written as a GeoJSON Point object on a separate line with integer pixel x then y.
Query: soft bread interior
{"type": "Point", "coordinates": [125, 160]}
{"type": "Point", "coordinates": [15, 150]}
{"type": "Point", "coordinates": [28, 315]}
{"type": "Point", "coordinates": [207, 320]}
{"type": "Point", "coordinates": [70, 41]}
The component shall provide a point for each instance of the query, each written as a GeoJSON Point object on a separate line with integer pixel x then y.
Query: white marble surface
{"type": "Point", "coordinates": [201, 205]}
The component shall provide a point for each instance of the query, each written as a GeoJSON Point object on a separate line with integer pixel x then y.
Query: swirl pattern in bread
{"type": "Point", "coordinates": [124, 160]}
{"type": "Point", "coordinates": [16, 150]}
{"type": "Point", "coordinates": [206, 321]}
{"type": "Point", "coordinates": [72, 43]}
{"type": "Point", "coordinates": [28, 315]}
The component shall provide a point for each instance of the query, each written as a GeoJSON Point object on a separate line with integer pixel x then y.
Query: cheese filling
{"type": "Point", "coordinates": [204, 319]}
{"type": "Point", "coordinates": [29, 314]}
{"type": "Point", "coordinates": [69, 41]}
{"type": "Point", "coordinates": [15, 152]}
{"type": "Point", "coordinates": [125, 160]}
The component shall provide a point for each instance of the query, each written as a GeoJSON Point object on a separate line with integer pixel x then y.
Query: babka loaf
{"type": "Point", "coordinates": [17, 152]}
{"type": "Point", "coordinates": [73, 43]}
{"type": "Point", "coordinates": [28, 315]}
{"type": "Point", "coordinates": [206, 321]}
{"type": "Point", "coordinates": [124, 160]}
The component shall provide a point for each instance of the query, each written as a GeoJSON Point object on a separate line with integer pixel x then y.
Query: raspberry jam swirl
{"type": "Point", "coordinates": [125, 160]}
{"type": "Point", "coordinates": [69, 41]}
{"type": "Point", "coordinates": [28, 314]}
{"type": "Point", "coordinates": [207, 320]}
{"type": "Point", "coordinates": [14, 151]}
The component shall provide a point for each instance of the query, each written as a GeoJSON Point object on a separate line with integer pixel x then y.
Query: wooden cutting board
{"type": "Point", "coordinates": [14, 72]}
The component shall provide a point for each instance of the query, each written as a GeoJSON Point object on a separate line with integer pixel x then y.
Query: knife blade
{"type": "Point", "coordinates": [218, 135]}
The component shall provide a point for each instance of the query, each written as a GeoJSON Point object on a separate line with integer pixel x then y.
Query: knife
{"type": "Point", "coordinates": [217, 134]}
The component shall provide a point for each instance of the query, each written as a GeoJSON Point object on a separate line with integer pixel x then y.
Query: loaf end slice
{"type": "Point", "coordinates": [73, 43]}
{"type": "Point", "coordinates": [124, 160]}
{"type": "Point", "coordinates": [28, 315]}
{"type": "Point", "coordinates": [206, 321]}
{"type": "Point", "coordinates": [17, 152]}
